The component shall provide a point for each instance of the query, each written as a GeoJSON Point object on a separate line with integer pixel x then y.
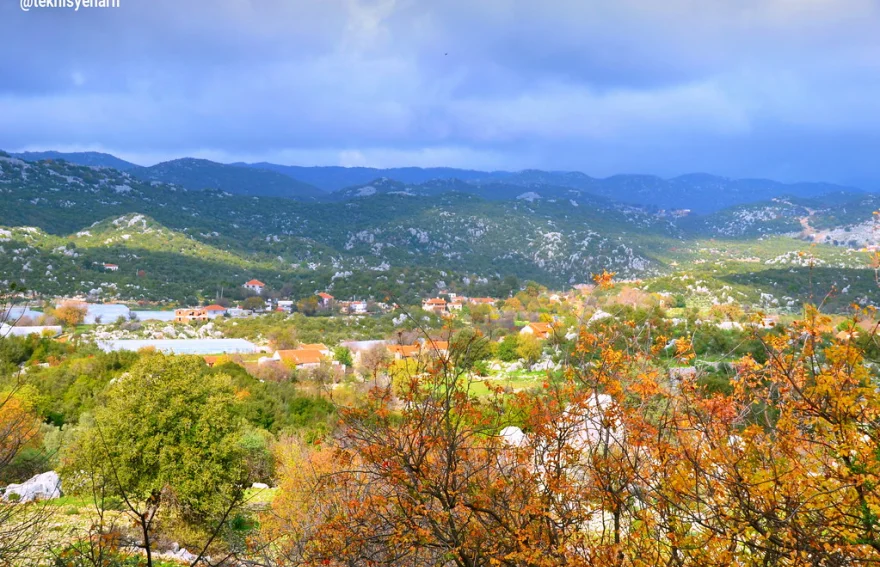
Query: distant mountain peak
{"type": "Point", "coordinates": [92, 159]}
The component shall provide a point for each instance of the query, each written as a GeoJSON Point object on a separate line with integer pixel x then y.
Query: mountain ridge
{"type": "Point", "coordinates": [702, 193]}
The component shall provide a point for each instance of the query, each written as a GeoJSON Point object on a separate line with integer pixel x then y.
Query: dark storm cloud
{"type": "Point", "coordinates": [789, 88]}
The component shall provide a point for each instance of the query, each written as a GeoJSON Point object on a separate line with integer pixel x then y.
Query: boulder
{"type": "Point", "coordinates": [260, 485]}
{"type": "Point", "coordinates": [46, 486]}
{"type": "Point", "coordinates": [513, 435]}
{"type": "Point", "coordinates": [183, 555]}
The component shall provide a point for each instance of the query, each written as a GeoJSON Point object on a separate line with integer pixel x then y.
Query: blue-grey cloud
{"type": "Point", "coordinates": [784, 88]}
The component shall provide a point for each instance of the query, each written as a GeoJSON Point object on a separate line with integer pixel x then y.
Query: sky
{"type": "Point", "coordinates": [787, 89]}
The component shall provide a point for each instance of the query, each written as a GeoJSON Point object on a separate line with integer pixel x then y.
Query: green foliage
{"type": "Point", "coordinates": [528, 348]}
{"type": "Point", "coordinates": [507, 349]}
{"type": "Point", "coordinates": [72, 387]}
{"type": "Point", "coordinates": [254, 303]}
{"type": "Point", "coordinates": [278, 407]}
{"type": "Point", "coordinates": [167, 424]}
{"type": "Point", "coordinates": [343, 356]}
{"type": "Point", "coordinates": [328, 330]}
{"type": "Point", "coordinates": [469, 347]}
{"type": "Point", "coordinates": [257, 446]}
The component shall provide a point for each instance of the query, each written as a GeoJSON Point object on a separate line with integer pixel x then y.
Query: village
{"type": "Point", "coordinates": [529, 333]}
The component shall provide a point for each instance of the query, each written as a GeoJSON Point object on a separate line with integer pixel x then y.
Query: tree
{"type": "Point", "coordinates": [308, 306]}
{"type": "Point", "coordinates": [481, 313]}
{"type": "Point", "coordinates": [374, 362]}
{"type": "Point", "coordinates": [507, 348]}
{"type": "Point", "coordinates": [342, 355]}
{"type": "Point", "coordinates": [615, 464]}
{"type": "Point", "coordinates": [282, 337]}
{"type": "Point", "coordinates": [467, 347]}
{"type": "Point", "coordinates": [254, 303]}
{"type": "Point", "coordinates": [70, 314]}
{"type": "Point", "coordinates": [167, 435]}
{"type": "Point", "coordinates": [19, 431]}
{"type": "Point", "coordinates": [528, 348]}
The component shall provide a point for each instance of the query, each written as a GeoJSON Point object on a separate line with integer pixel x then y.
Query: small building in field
{"type": "Point", "coordinates": [111, 267]}
{"type": "Point", "coordinates": [255, 286]}
{"type": "Point", "coordinates": [325, 299]}
{"type": "Point", "coordinates": [540, 331]}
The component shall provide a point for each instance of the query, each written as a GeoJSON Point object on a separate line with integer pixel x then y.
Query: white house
{"type": "Point", "coordinates": [213, 311]}
{"type": "Point", "coordinates": [435, 304]}
{"type": "Point", "coordinates": [255, 286]}
{"type": "Point", "coordinates": [541, 331]}
{"type": "Point", "coordinates": [354, 307]}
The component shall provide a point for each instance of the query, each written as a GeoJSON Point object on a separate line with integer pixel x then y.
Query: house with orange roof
{"type": "Point", "coordinates": [435, 304]}
{"type": "Point", "coordinates": [325, 299]}
{"type": "Point", "coordinates": [455, 304]}
{"type": "Point", "coordinates": [215, 310]}
{"type": "Point", "coordinates": [320, 347]}
{"type": "Point", "coordinates": [482, 301]}
{"type": "Point", "coordinates": [111, 267]}
{"type": "Point", "coordinates": [255, 286]}
{"type": "Point", "coordinates": [436, 347]}
{"type": "Point", "coordinates": [541, 331]}
{"type": "Point", "coordinates": [301, 358]}
{"type": "Point", "coordinates": [401, 352]}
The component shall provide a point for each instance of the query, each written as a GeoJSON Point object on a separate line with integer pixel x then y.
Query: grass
{"type": "Point", "coordinates": [260, 496]}
{"type": "Point", "coordinates": [480, 388]}
{"type": "Point", "coordinates": [72, 501]}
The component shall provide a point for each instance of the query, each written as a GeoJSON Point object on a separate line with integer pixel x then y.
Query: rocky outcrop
{"type": "Point", "coordinates": [46, 486]}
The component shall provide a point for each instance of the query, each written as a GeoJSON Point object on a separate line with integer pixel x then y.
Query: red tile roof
{"type": "Point", "coordinates": [214, 307]}
{"type": "Point", "coordinates": [323, 295]}
{"type": "Point", "coordinates": [256, 282]}
{"type": "Point", "coordinates": [301, 356]}
{"type": "Point", "coordinates": [313, 346]}
{"type": "Point", "coordinates": [541, 330]}
{"type": "Point", "coordinates": [405, 351]}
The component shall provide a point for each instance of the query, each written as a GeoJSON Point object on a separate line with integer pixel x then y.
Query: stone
{"type": "Point", "coordinates": [46, 486]}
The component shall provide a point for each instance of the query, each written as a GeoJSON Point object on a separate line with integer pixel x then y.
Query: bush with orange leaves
{"type": "Point", "coordinates": [616, 464]}
{"type": "Point", "coordinates": [19, 430]}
